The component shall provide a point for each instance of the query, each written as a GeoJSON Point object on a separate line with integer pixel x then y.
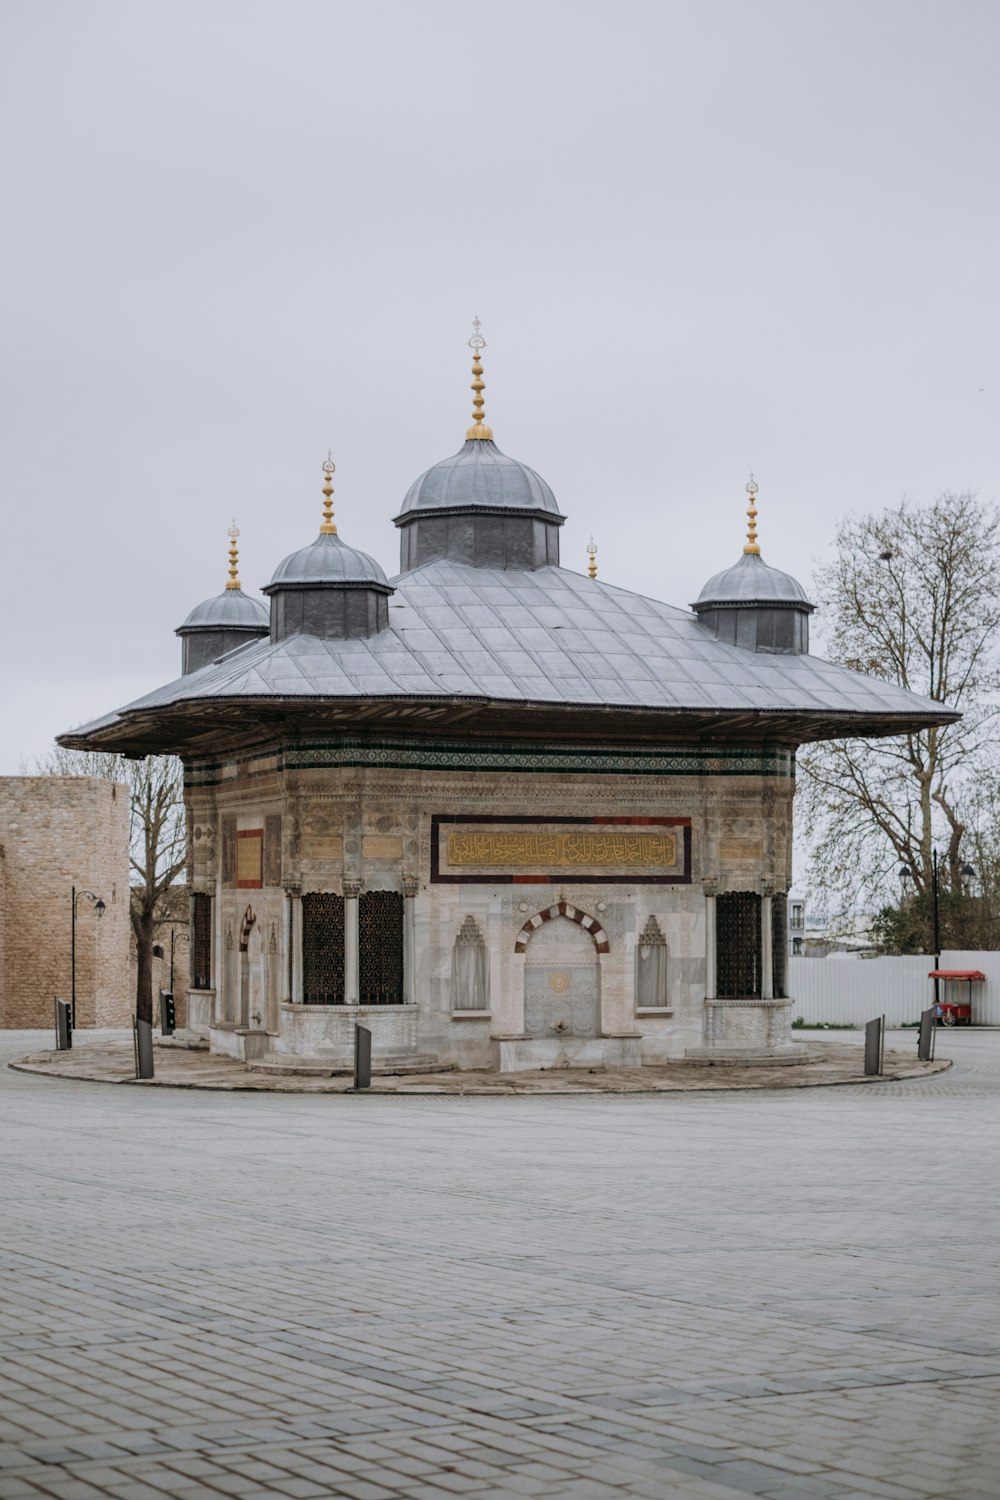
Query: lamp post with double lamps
{"type": "Point", "coordinates": [100, 908]}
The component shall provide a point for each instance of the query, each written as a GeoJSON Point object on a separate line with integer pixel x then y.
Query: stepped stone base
{"type": "Point", "coordinates": [525, 1054]}
{"type": "Point", "coordinates": [722, 1057]}
{"type": "Point", "coordinates": [280, 1064]}
{"type": "Point", "coordinates": [239, 1041]}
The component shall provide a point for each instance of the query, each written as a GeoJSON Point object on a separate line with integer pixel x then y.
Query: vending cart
{"type": "Point", "coordinates": [955, 1005]}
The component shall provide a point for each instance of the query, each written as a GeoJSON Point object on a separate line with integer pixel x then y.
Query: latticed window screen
{"type": "Point", "coordinates": [201, 942]}
{"type": "Point", "coordinates": [380, 923]}
{"type": "Point", "coordinates": [737, 945]}
{"type": "Point", "coordinates": [779, 944]}
{"type": "Point", "coordinates": [323, 948]}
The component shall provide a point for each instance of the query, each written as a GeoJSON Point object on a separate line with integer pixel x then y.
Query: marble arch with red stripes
{"type": "Point", "coordinates": [571, 913]}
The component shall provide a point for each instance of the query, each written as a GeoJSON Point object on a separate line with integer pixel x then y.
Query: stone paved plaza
{"type": "Point", "coordinates": [789, 1294]}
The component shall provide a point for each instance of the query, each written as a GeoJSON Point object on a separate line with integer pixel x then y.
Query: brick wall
{"type": "Point", "coordinates": [57, 832]}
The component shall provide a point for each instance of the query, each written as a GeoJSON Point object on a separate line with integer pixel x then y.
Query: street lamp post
{"type": "Point", "coordinates": [937, 929]}
{"type": "Point", "coordinates": [100, 909]}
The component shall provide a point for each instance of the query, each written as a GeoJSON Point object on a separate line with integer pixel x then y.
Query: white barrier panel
{"type": "Point", "coordinates": [856, 990]}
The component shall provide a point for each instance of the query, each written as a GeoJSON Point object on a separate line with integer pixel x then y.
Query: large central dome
{"type": "Point", "coordinates": [480, 475]}
{"type": "Point", "coordinates": [479, 506]}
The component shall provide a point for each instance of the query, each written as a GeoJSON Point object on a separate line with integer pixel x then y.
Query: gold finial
{"type": "Point", "coordinates": [329, 469]}
{"type": "Point", "coordinates": [591, 558]}
{"type": "Point", "coordinates": [752, 546]}
{"type": "Point", "coordinates": [233, 581]}
{"type": "Point", "coordinates": [477, 344]}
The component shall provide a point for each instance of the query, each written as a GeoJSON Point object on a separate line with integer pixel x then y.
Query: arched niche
{"type": "Point", "coordinates": [562, 980]}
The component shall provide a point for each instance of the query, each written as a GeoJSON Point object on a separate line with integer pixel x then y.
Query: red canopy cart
{"type": "Point", "coordinates": [955, 1005]}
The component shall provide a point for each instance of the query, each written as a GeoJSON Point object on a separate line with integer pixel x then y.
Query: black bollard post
{"type": "Point", "coordinates": [362, 1057]}
{"type": "Point", "coordinates": [925, 1039]}
{"type": "Point", "coordinates": [167, 1013]}
{"type": "Point", "coordinates": [873, 1047]}
{"type": "Point", "coordinates": [64, 1025]}
{"type": "Point", "coordinates": [143, 1049]}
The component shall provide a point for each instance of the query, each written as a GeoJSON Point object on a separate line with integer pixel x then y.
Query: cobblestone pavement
{"type": "Point", "coordinates": [713, 1295]}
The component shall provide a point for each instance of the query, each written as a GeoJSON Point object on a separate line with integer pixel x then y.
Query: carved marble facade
{"type": "Point", "coordinates": [601, 958]}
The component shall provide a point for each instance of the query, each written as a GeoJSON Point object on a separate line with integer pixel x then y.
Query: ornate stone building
{"type": "Point", "coordinates": [504, 814]}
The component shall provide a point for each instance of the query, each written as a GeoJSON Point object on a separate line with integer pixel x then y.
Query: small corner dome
{"type": "Point", "coordinates": [479, 476]}
{"type": "Point", "coordinates": [752, 581]}
{"type": "Point", "coordinates": [327, 560]}
{"type": "Point", "coordinates": [230, 610]}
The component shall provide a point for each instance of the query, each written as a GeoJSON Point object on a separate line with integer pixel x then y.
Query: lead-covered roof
{"type": "Point", "coordinates": [548, 637]}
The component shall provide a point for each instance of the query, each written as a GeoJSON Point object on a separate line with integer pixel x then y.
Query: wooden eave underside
{"type": "Point", "coordinates": [221, 725]}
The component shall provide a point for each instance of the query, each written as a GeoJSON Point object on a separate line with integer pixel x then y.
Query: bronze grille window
{"type": "Point", "coordinates": [323, 948]}
{"type": "Point", "coordinates": [737, 945]}
{"type": "Point", "coordinates": [380, 925]}
{"type": "Point", "coordinates": [201, 942]}
{"type": "Point", "coordinates": [779, 944]}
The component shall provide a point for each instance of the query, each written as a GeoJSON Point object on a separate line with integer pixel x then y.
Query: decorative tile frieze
{"type": "Point", "coordinates": [401, 754]}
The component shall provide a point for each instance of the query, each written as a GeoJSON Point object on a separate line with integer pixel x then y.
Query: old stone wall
{"type": "Point", "coordinates": [57, 832]}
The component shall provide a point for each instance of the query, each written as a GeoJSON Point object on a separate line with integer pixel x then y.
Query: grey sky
{"type": "Point", "coordinates": [702, 238]}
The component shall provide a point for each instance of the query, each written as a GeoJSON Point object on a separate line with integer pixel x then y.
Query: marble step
{"type": "Point", "coordinates": [315, 1067]}
{"type": "Point", "coordinates": [185, 1041]}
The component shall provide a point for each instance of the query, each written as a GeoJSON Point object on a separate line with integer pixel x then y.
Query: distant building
{"type": "Point", "coordinates": [58, 833]}
{"type": "Point", "coordinates": [502, 813]}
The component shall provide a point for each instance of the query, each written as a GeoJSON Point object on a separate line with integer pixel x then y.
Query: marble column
{"type": "Point", "coordinates": [287, 928]}
{"type": "Point", "coordinates": [410, 887]}
{"type": "Point", "coordinates": [352, 890]}
{"type": "Point", "coordinates": [766, 944]}
{"type": "Point", "coordinates": [295, 944]}
{"type": "Point", "coordinates": [711, 888]}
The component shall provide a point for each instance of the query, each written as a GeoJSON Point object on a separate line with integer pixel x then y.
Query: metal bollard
{"type": "Point", "coordinates": [143, 1048]}
{"type": "Point", "coordinates": [362, 1057]}
{"type": "Point", "coordinates": [167, 1013]}
{"type": "Point", "coordinates": [926, 1036]}
{"type": "Point", "coordinates": [874, 1044]}
{"type": "Point", "coordinates": [64, 1025]}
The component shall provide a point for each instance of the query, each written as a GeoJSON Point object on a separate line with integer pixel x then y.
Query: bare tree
{"type": "Point", "coordinates": [911, 596]}
{"type": "Point", "coordinates": [157, 845]}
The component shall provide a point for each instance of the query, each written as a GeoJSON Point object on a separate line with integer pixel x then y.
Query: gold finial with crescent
{"type": "Point", "coordinates": [329, 469]}
{"type": "Point", "coordinates": [233, 581]}
{"type": "Point", "coordinates": [479, 430]}
{"type": "Point", "coordinates": [752, 547]}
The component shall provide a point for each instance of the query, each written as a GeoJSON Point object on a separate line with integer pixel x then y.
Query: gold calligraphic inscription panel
{"type": "Point", "coordinates": [603, 848]}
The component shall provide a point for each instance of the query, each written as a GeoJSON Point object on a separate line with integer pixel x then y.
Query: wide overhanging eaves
{"type": "Point", "coordinates": [195, 726]}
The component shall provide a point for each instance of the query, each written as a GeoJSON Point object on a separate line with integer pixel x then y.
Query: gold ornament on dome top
{"type": "Point", "coordinates": [752, 547]}
{"type": "Point", "coordinates": [233, 581]}
{"type": "Point", "coordinates": [591, 558]}
{"type": "Point", "coordinates": [479, 429]}
{"type": "Point", "coordinates": [329, 469]}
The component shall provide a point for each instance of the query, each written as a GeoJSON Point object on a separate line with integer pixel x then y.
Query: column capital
{"type": "Point", "coordinates": [767, 887]}
{"type": "Point", "coordinates": [292, 887]}
{"type": "Point", "coordinates": [411, 885]}
{"type": "Point", "coordinates": [352, 890]}
{"type": "Point", "coordinates": [710, 887]}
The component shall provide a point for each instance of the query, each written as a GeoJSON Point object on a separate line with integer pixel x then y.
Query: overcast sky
{"type": "Point", "coordinates": [702, 237]}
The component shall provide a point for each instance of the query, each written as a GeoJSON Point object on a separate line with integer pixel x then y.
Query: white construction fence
{"type": "Point", "coordinates": [854, 990]}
